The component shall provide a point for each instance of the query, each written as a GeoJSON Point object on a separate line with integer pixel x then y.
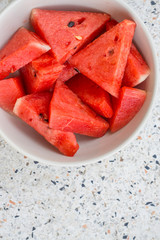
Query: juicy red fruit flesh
{"type": "Point", "coordinates": [67, 31]}
{"type": "Point", "coordinates": [104, 60]}
{"type": "Point", "coordinates": [137, 69]}
{"type": "Point", "coordinates": [23, 47]}
{"type": "Point", "coordinates": [68, 113]}
{"type": "Point", "coordinates": [91, 94]}
{"type": "Point", "coordinates": [33, 109]}
{"type": "Point", "coordinates": [40, 74]}
{"type": "Point", "coordinates": [10, 90]}
{"type": "Point", "coordinates": [126, 107]}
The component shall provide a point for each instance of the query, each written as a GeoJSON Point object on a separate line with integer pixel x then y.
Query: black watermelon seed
{"type": "Point", "coordinates": [35, 74]}
{"type": "Point", "coordinates": [41, 115]}
{"type": "Point", "coordinates": [76, 70]}
{"type": "Point", "coordinates": [46, 120]}
{"type": "Point", "coordinates": [71, 24]}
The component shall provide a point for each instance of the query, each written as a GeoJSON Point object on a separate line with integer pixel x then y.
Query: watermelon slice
{"type": "Point", "coordinates": [67, 31]}
{"type": "Point", "coordinates": [104, 60]}
{"type": "Point", "coordinates": [10, 90]}
{"type": "Point", "coordinates": [126, 107]}
{"type": "Point", "coordinates": [40, 74]}
{"type": "Point", "coordinates": [67, 72]}
{"type": "Point", "coordinates": [137, 69]}
{"type": "Point", "coordinates": [22, 48]}
{"type": "Point", "coordinates": [68, 113]}
{"type": "Point", "coordinates": [33, 109]}
{"type": "Point", "coordinates": [91, 94]}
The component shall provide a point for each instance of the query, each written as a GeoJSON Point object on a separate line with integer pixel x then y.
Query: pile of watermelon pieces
{"type": "Point", "coordinates": [77, 73]}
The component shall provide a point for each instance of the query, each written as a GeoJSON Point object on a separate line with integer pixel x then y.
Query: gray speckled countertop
{"type": "Point", "coordinates": [118, 198]}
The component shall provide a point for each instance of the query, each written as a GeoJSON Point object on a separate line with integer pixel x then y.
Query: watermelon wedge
{"type": "Point", "coordinates": [10, 90]}
{"type": "Point", "coordinates": [126, 107]}
{"type": "Point", "coordinates": [22, 48]}
{"type": "Point", "coordinates": [33, 109]}
{"type": "Point", "coordinates": [104, 60]}
{"type": "Point", "coordinates": [68, 113]}
{"type": "Point", "coordinates": [91, 94]}
{"type": "Point", "coordinates": [67, 31]}
{"type": "Point", "coordinates": [137, 69]}
{"type": "Point", "coordinates": [40, 74]}
{"type": "Point", "coordinates": [67, 72]}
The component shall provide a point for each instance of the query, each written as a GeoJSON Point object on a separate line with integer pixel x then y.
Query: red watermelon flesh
{"type": "Point", "coordinates": [110, 24]}
{"type": "Point", "coordinates": [10, 90]}
{"type": "Point", "coordinates": [91, 94]}
{"type": "Point", "coordinates": [67, 72]}
{"type": "Point", "coordinates": [104, 60]}
{"type": "Point", "coordinates": [137, 69]}
{"type": "Point", "coordinates": [67, 31]}
{"type": "Point", "coordinates": [22, 48]}
{"type": "Point", "coordinates": [68, 113]}
{"type": "Point", "coordinates": [126, 107]}
{"type": "Point", "coordinates": [40, 74]}
{"type": "Point", "coordinates": [33, 109]}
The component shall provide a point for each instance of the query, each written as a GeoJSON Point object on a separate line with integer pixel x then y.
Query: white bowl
{"type": "Point", "coordinates": [31, 144]}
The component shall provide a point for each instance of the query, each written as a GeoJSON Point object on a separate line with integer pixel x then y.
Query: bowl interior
{"type": "Point", "coordinates": [24, 138]}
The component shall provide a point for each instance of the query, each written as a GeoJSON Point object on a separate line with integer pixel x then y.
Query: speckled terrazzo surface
{"type": "Point", "coordinates": [118, 198]}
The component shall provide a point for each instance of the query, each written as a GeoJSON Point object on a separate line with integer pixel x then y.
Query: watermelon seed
{"type": "Point", "coordinates": [35, 74]}
{"type": "Point", "coordinates": [71, 24]}
{"type": "Point", "coordinates": [46, 120]}
{"type": "Point", "coordinates": [40, 115]}
{"type": "Point", "coordinates": [116, 38]}
{"type": "Point", "coordinates": [78, 38]}
{"type": "Point", "coordinates": [111, 52]}
{"type": "Point", "coordinates": [76, 70]}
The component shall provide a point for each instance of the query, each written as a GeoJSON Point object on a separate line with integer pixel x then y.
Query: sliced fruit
{"type": "Point", "coordinates": [67, 31]}
{"type": "Point", "coordinates": [68, 113]}
{"type": "Point", "coordinates": [40, 74]}
{"type": "Point", "coordinates": [67, 72]}
{"type": "Point", "coordinates": [104, 60]}
{"type": "Point", "coordinates": [137, 69]}
{"type": "Point", "coordinates": [126, 107]}
{"type": "Point", "coordinates": [33, 109]}
{"type": "Point", "coordinates": [10, 90]}
{"type": "Point", "coordinates": [22, 48]}
{"type": "Point", "coordinates": [91, 94]}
